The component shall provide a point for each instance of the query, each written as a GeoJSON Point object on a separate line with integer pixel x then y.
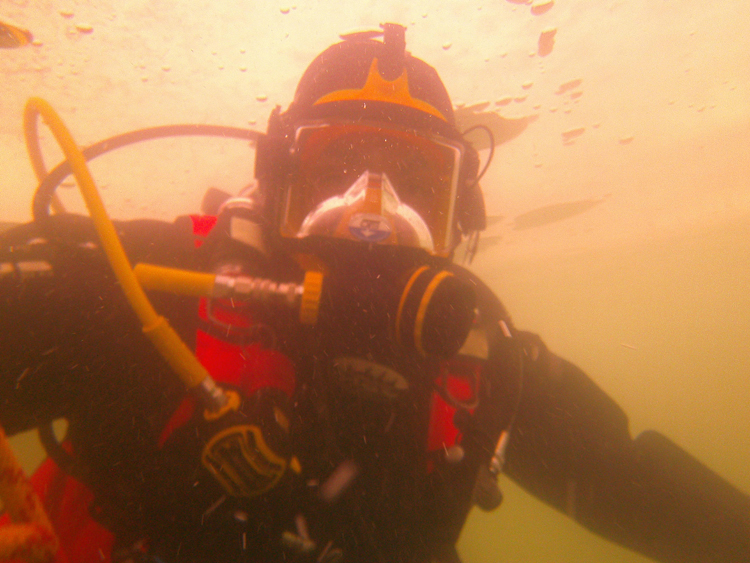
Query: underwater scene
{"type": "Point", "coordinates": [610, 194]}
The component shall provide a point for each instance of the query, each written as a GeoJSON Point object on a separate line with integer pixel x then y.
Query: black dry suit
{"type": "Point", "coordinates": [394, 443]}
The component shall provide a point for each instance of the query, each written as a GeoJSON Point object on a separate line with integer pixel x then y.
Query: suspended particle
{"type": "Point", "coordinates": [539, 8]}
{"type": "Point", "coordinates": [526, 85]}
{"type": "Point", "coordinates": [537, 106]}
{"type": "Point", "coordinates": [66, 13]}
{"type": "Point", "coordinates": [243, 69]}
{"type": "Point", "coordinates": [596, 125]}
{"type": "Point", "coordinates": [576, 95]}
{"type": "Point", "coordinates": [447, 46]}
{"type": "Point", "coordinates": [84, 28]}
{"type": "Point", "coordinates": [547, 41]}
{"type": "Point", "coordinates": [261, 97]}
{"type": "Point", "coordinates": [519, 99]}
{"type": "Point", "coordinates": [166, 68]}
{"type": "Point", "coordinates": [552, 110]}
{"type": "Point", "coordinates": [504, 101]}
{"type": "Point", "coordinates": [626, 140]}
{"type": "Point", "coordinates": [284, 10]}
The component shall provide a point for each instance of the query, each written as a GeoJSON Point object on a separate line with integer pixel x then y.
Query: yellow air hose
{"type": "Point", "coordinates": [156, 327]}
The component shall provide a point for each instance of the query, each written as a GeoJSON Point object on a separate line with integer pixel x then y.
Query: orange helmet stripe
{"type": "Point", "coordinates": [378, 90]}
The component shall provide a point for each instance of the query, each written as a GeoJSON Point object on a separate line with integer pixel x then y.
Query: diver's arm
{"type": "Point", "coordinates": [62, 313]}
{"type": "Point", "coordinates": [571, 447]}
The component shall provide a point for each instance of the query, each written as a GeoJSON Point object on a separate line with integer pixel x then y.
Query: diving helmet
{"type": "Point", "coordinates": [369, 151]}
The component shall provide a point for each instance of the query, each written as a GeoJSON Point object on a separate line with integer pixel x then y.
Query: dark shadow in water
{"type": "Point", "coordinates": [485, 243]}
{"type": "Point", "coordinates": [553, 213]}
{"type": "Point", "coordinates": [503, 129]}
{"type": "Point", "coordinates": [12, 36]}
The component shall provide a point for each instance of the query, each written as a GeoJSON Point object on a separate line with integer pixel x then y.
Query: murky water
{"type": "Point", "coordinates": [621, 191]}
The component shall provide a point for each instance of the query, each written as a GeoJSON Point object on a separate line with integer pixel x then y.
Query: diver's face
{"type": "Point", "coordinates": [421, 174]}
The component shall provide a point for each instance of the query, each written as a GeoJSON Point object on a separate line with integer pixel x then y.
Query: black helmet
{"type": "Point", "coordinates": [369, 150]}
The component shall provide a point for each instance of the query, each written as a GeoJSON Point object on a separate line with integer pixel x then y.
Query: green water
{"type": "Point", "coordinates": [663, 327]}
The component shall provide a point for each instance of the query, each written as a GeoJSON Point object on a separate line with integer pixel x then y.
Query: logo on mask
{"type": "Point", "coordinates": [369, 227]}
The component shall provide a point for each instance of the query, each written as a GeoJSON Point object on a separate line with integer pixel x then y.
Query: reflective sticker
{"type": "Point", "coordinates": [6, 269]}
{"type": "Point", "coordinates": [34, 268]}
{"type": "Point", "coordinates": [369, 227]}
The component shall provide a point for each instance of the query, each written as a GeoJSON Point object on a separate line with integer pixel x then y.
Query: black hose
{"type": "Point", "coordinates": [46, 189]}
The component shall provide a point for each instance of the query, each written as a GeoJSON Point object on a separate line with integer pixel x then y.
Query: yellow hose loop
{"type": "Point", "coordinates": [35, 152]}
{"type": "Point", "coordinates": [31, 537]}
{"type": "Point", "coordinates": [179, 357]}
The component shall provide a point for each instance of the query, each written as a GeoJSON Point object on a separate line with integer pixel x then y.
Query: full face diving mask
{"type": "Point", "coordinates": [373, 184]}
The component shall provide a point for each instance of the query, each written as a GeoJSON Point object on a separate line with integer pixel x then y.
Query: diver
{"type": "Point", "coordinates": [373, 389]}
